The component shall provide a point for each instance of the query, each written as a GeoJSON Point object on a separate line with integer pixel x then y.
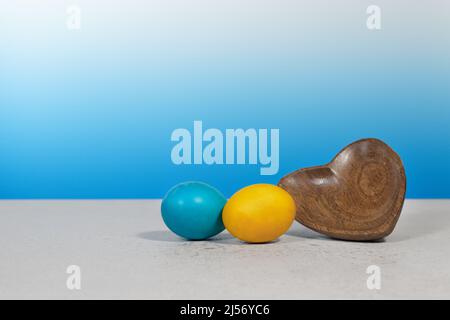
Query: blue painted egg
{"type": "Point", "coordinates": [193, 210]}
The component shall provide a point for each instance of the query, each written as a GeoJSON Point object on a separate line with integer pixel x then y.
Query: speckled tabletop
{"type": "Point", "coordinates": [124, 251]}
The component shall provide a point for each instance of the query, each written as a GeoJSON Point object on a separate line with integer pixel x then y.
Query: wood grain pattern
{"type": "Point", "coordinates": [357, 196]}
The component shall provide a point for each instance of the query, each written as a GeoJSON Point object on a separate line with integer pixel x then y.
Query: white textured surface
{"type": "Point", "coordinates": [124, 251]}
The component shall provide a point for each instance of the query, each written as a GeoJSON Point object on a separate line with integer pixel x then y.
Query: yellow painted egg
{"type": "Point", "coordinates": [259, 213]}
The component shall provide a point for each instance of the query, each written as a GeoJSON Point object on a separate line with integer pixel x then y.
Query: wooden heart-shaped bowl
{"type": "Point", "coordinates": [357, 196]}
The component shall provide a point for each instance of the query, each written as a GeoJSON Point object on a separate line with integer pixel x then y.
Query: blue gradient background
{"type": "Point", "coordinates": [89, 113]}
